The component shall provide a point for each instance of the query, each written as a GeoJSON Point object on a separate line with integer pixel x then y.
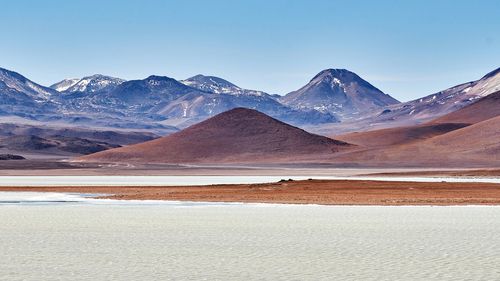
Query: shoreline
{"type": "Point", "coordinates": [200, 181]}
{"type": "Point", "coordinates": [314, 192]}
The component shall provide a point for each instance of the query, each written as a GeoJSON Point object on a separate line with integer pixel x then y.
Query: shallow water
{"type": "Point", "coordinates": [88, 239]}
{"type": "Point", "coordinates": [198, 180]}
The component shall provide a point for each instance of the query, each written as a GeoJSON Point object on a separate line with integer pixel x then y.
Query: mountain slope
{"type": "Point", "coordinates": [340, 92]}
{"type": "Point", "coordinates": [441, 103]}
{"type": "Point", "coordinates": [421, 110]}
{"type": "Point", "coordinates": [238, 135]}
{"type": "Point", "coordinates": [485, 108]}
{"type": "Point", "coordinates": [475, 145]}
{"type": "Point", "coordinates": [52, 145]}
{"type": "Point", "coordinates": [93, 84]}
{"type": "Point", "coordinates": [464, 138]}
{"type": "Point", "coordinates": [23, 97]}
{"type": "Point", "coordinates": [64, 84]}
{"type": "Point", "coordinates": [229, 96]}
{"type": "Point", "coordinates": [218, 85]}
{"type": "Point", "coordinates": [398, 135]}
{"type": "Point", "coordinates": [133, 100]}
{"type": "Point", "coordinates": [20, 83]}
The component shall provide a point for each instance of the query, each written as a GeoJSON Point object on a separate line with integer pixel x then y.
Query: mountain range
{"type": "Point", "coordinates": [334, 102]}
{"type": "Point", "coordinates": [242, 136]}
{"type": "Point", "coordinates": [417, 111]}
{"type": "Point", "coordinates": [156, 102]}
{"type": "Point", "coordinates": [161, 102]}
{"type": "Point", "coordinates": [333, 98]}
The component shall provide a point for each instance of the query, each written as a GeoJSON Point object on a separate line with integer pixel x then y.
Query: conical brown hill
{"type": "Point", "coordinates": [239, 135]}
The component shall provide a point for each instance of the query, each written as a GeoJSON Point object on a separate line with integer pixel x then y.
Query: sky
{"type": "Point", "coordinates": [408, 49]}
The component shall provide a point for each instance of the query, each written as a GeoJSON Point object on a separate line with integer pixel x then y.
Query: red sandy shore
{"type": "Point", "coordinates": [326, 192]}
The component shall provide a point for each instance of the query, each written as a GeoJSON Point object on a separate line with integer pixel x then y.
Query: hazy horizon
{"type": "Point", "coordinates": [416, 49]}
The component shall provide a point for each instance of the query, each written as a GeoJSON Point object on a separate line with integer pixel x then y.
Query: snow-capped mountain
{"type": "Point", "coordinates": [150, 103]}
{"type": "Point", "coordinates": [443, 102]}
{"type": "Point", "coordinates": [159, 102]}
{"type": "Point", "coordinates": [196, 106]}
{"type": "Point", "coordinates": [340, 92]}
{"type": "Point", "coordinates": [218, 86]}
{"type": "Point", "coordinates": [161, 98]}
{"type": "Point", "coordinates": [93, 84]}
{"type": "Point", "coordinates": [16, 81]}
{"type": "Point", "coordinates": [23, 97]}
{"type": "Point", "coordinates": [134, 100]}
{"type": "Point", "coordinates": [226, 96]}
{"type": "Point", "coordinates": [64, 84]}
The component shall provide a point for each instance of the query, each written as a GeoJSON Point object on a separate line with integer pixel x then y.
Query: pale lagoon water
{"type": "Point", "coordinates": [203, 180]}
{"type": "Point", "coordinates": [54, 236]}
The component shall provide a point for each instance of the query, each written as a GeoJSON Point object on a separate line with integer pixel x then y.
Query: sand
{"type": "Point", "coordinates": [325, 192]}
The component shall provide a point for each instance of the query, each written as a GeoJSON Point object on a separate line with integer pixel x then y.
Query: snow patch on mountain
{"type": "Point", "coordinates": [218, 85]}
{"type": "Point", "coordinates": [94, 83]}
{"type": "Point", "coordinates": [64, 84]}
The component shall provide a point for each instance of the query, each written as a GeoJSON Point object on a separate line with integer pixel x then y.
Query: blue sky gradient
{"type": "Point", "coordinates": [406, 48]}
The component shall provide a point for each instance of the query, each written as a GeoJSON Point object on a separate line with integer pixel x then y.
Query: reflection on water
{"type": "Point", "coordinates": [178, 241]}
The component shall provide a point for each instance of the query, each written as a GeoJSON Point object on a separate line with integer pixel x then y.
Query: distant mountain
{"type": "Point", "coordinates": [97, 135]}
{"type": "Point", "coordinates": [219, 86]}
{"type": "Point", "coordinates": [485, 108]}
{"type": "Point", "coordinates": [11, 157]}
{"type": "Point", "coordinates": [441, 103]}
{"type": "Point", "coordinates": [23, 97]}
{"type": "Point", "coordinates": [64, 84]}
{"type": "Point", "coordinates": [163, 99]}
{"type": "Point", "coordinates": [340, 92]}
{"type": "Point", "coordinates": [130, 101]}
{"type": "Point", "coordinates": [16, 81]}
{"type": "Point", "coordinates": [96, 83]}
{"type": "Point", "coordinates": [157, 103]}
{"type": "Point", "coordinates": [228, 96]}
{"type": "Point", "coordinates": [417, 111]}
{"type": "Point", "coordinates": [237, 136]}
{"type": "Point", "coordinates": [54, 144]}
{"type": "Point", "coordinates": [466, 137]}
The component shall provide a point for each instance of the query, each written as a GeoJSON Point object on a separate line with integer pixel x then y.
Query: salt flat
{"type": "Point", "coordinates": [95, 240]}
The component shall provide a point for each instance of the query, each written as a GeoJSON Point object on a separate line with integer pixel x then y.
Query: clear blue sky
{"type": "Point", "coordinates": [406, 48]}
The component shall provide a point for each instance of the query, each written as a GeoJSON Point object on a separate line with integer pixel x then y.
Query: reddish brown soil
{"type": "Point", "coordinates": [248, 136]}
{"type": "Point", "coordinates": [239, 135]}
{"type": "Point", "coordinates": [399, 135]}
{"type": "Point", "coordinates": [325, 192]}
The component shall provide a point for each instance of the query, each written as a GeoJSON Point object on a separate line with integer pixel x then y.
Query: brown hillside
{"type": "Point", "coordinates": [236, 136]}
{"type": "Point", "coordinates": [399, 135]}
{"type": "Point", "coordinates": [485, 108]}
{"type": "Point", "coordinates": [474, 145]}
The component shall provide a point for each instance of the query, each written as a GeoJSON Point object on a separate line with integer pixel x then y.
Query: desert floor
{"type": "Point", "coordinates": [325, 192]}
